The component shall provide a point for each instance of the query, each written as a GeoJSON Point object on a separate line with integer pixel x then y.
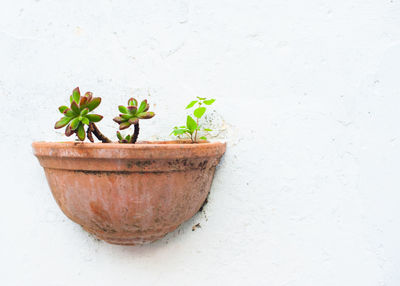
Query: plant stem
{"type": "Point", "coordinates": [98, 134]}
{"type": "Point", "coordinates": [135, 134]}
{"type": "Point", "coordinates": [195, 135]}
{"type": "Point", "coordinates": [89, 133]}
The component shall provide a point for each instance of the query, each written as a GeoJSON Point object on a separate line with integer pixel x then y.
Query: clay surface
{"type": "Point", "coordinates": [129, 193]}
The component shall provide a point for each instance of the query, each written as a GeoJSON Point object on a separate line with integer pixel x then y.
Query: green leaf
{"type": "Point", "coordinates": [191, 124]}
{"type": "Point", "coordinates": [62, 108]}
{"type": "Point", "coordinates": [68, 112]}
{"type": "Point", "coordinates": [128, 138]}
{"type": "Point", "coordinates": [209, 101]}
{"type": "Point", "coordinates": [142, 106]}
{"type": "Point", "coordinates": [76, 95]}
{"type": "Point", "coordinates": [75, 108]}
{"type": "Point", "coordinates": [133, 120]}
{"type": "Point", "coordinates": [68, 131]}
{"type": "Point", "coordinates": [83, 101]}
{"type": "Point", "coordinates": [124, 125]}
{"type": "Point", "coordinates": [70, 99]}
{"type": "Point", "coordinates": [89, 96]}
{"type": "Point", "coordinates": [62, 122]}
{"type": "Point", "coordinates": [146, 115]}
{"type": "Point", "coordinates": [201, 98]}
{"type": "Point", "coordinates": [75, 123]}
{"type": "Point", "coordinates": [207, 129]}
{"type": "Point", "coordinates": [179, 131]}
{"type": "Point", "coordinates": [119, 135]}
{"type": "Point", "coordinates": [119, 119]}
{"type": "Point", "coordinates": [132, 109]}
{"type": "Point", "coordinates": [85, 120]}
{"type": "Point", "coordinates": [94, 117]}
{"type": "Point", "coordinates": [126, 116]}
{"type": "Point", "coordinates": [147, 107]}
{"type": "Point", "coordinates": [85, 111]}
{"type": "Point", "coordinates": [203, 138]}
{"type": "Point", "coordinates": [81, 132]}
{"type": "Point", "coordinates": [132, 102]}
{"type": "Point", "coordinates": [123, 109]}
{"type": "Point", "coordinates": [93, 103]}
{"type": "Point", "coordinates": [191, 104]}
{"type": "Point", "coordinates": [199, 112]}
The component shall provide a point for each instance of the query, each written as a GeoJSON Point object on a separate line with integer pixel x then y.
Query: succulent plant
{"type": "Point", "coordinates": [78, 115]}
{"type": "Point", "coordinates": [122, 139]}
{"type": "Point", "coordinates": [130, 115]}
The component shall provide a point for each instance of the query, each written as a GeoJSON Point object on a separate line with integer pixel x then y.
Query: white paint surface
{"type": "Point", "coordinates": [308, 95]}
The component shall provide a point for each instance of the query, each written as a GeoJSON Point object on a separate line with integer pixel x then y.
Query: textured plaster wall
{"type": "Point", "coordinates": [308, 99]}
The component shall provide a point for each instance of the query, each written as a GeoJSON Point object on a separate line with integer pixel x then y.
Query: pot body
{"type": "Point", "coordinates": [129, 193]}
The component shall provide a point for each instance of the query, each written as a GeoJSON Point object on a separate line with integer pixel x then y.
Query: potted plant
{"type": "Point", "coordinates": [128, 192]}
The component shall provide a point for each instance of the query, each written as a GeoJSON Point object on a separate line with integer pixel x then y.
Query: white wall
{"type": "Point", "coordinates": [308, 99]}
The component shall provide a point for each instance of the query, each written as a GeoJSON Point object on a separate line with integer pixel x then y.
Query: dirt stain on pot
{"type": "Point", "coordinates": [100, 173]}
{"type": "Point", "coordinates": [144, 163]}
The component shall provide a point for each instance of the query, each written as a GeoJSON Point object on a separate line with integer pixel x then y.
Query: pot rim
{"type": "Point", "coordinates": [142, 149]}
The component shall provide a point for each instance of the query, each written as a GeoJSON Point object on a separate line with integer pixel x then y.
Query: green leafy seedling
{"type": "Point", "coordinates": [78, 115]}
{"type": "Point", "coordinates": [130, 115]}
{"type": "Point", "coordinates": [192, 126]}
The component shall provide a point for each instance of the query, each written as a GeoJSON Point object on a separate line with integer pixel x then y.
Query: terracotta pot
{"type": "Point", "coordinates": [129, 193]}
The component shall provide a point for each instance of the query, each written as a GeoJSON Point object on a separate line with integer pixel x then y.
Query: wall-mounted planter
{"type": "Point", "coordinates": [129, 193]}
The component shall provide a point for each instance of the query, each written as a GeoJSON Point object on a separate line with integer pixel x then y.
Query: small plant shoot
{"type": "Point", "coordinates": [193, 126]}
{"type": "Point", "coordinates": [77, 116]}
{"type": "Point", "coordinates": [122, 139]}
{"type": "Point", "coordinates": [130, 115]}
